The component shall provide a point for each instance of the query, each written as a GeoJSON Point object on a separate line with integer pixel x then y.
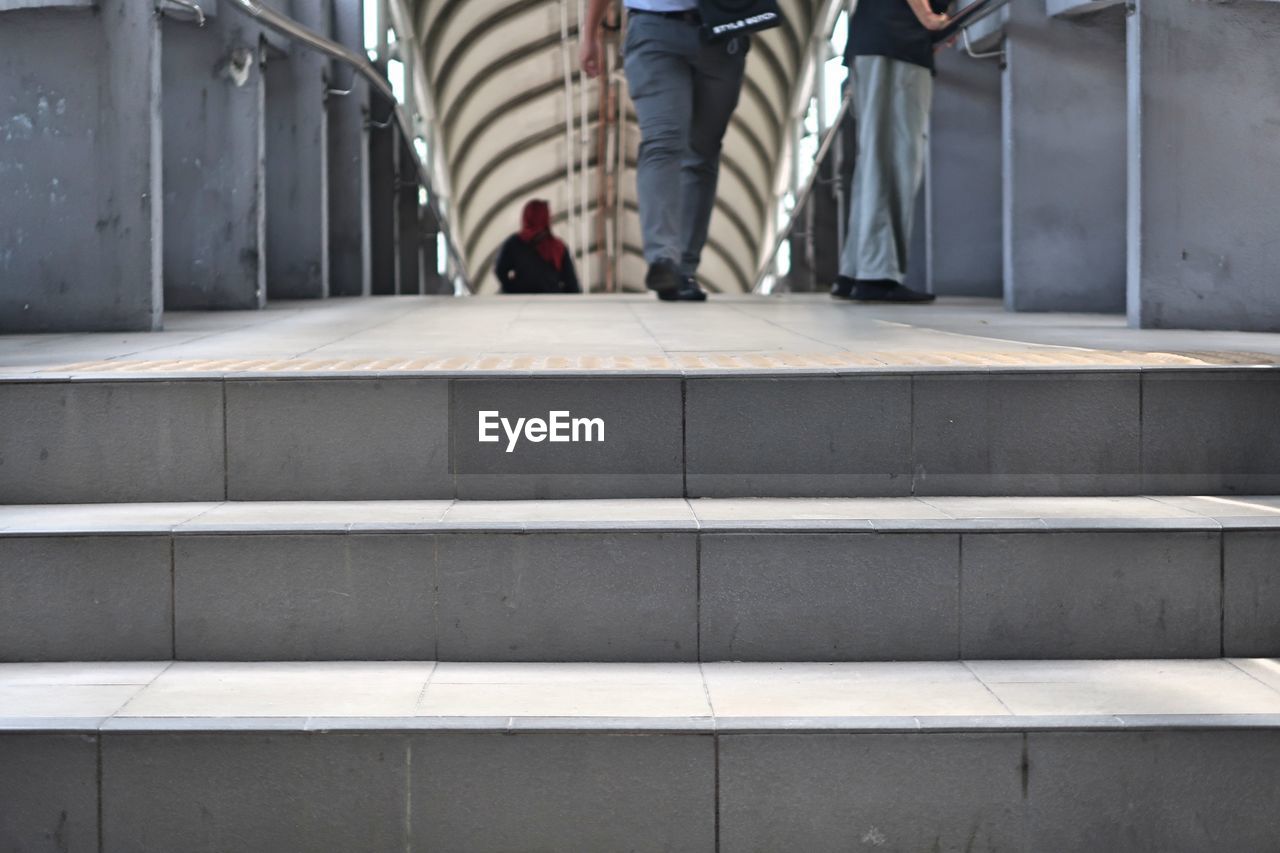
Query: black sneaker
{"type": "Point", "coordinates": [889, 291]}
{"type": "Point", "coordinates": [688, 291]}
{"type": "Point", "coordinates": [843, 288]}
{"type": "Point", "coordinates": [664, 278]}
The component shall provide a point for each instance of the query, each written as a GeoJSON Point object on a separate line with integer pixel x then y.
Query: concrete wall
{"type": "Point", "coordinates": [349, 270]}
{"type": "Point", "coordinates": [963, 181]}
{"type": "Point", "coordinates": [214, 165]}
{"type": "Point", "coordinates": [1204, 158]}
{"type": "Point", "coordinates": [80, 181]}
{"type": "Point", "coordinates": [1064, 161]}
{"type": "Point", "coordinates": [297, 162]}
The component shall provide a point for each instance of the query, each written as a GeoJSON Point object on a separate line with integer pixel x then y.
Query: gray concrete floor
{"type": "Point", "coordinates": [624, 332]}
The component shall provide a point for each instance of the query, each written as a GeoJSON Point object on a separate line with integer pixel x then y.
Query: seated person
{"type": "Point", "coordinates": [533, 260]}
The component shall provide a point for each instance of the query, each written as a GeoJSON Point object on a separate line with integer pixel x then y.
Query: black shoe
{"type": "Point", "coordinates": [688, 291]}
{"type": "Point", "coordinates": [843, 288]}
{"type": "Point", "coordinates": [889, 291]}
{"type": "Point", "coordinates": [664, 278]}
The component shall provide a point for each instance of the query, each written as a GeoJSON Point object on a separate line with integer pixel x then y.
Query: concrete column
{"type": "Point", "coordinates": [297, 163]}
{"type": "Point", "coordinates": [81, 232]}
{"type": "Point", "coordinates": [408, 222]}
{"type": "Point", "coordinates": [214, 165]}
{"type": "Point", "coordinates": [1064, 161]}
{"type": "Point", "coordinates": [349, 270]}
{"type": "Point", "coordinates": [963, 182]}
{"type": "Point", "coordinates": [1204, 156]}
{"type": "Point", "coordinates": [384, 144]}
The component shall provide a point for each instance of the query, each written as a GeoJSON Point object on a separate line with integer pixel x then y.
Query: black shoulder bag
{"type": "Point", "coordinates": [725, 19]}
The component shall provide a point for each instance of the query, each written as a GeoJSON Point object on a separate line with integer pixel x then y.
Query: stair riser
{"type": "Point", "coordinates": [386, 438]}
{"type": "Point", "coordinates": [640, 596]}
{"type": "Point", "coordinates": [280, 792]}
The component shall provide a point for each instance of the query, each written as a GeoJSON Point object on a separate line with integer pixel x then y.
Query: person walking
{"type": "Point", "coordinates": [685, 89]}
{"type": "Point", "coordinates": [533, 260]}
{"type": "Point", "coordinates": [890, 54]}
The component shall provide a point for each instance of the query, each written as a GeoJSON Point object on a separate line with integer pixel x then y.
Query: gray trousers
{"type": "Point", "coordinates": [892, 100]}
{"type": "Point", "coordinates": [685, 92]}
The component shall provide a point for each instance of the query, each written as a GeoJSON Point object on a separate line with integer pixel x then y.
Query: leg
{"type": "Point", "coordinates": [661, 82]}
{"type": "Point", "coordinates": [717, 84]}
{"type": "Point", "coordinates": [892, 100]}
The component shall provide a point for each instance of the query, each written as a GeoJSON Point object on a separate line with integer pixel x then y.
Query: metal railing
{"type": "Point", "coordinates": [291, 29]}
{"type": "Point", "coordinates": [806, 190]}
{"type": "Point", "coordinates": [977, 11]}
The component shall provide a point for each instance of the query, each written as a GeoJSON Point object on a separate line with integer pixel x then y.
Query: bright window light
{"type": "Point", "coordinates": [442, 254]}
{"type": "Point", "coordinates": [840, 35]}
{"type": "Point", "coordinates": [782, 266]}
{"type": "Point", "coordinates": [395, 75]}
{"type": "Point", "coordinates": [420, 145]}
{"type": "Point", "coordinates": [833, 76]}
{"type": "Point", "coordinates": [371, 29]}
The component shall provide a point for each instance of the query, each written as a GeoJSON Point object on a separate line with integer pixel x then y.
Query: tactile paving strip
{"type": "Point", "coordinates": [779, 361]}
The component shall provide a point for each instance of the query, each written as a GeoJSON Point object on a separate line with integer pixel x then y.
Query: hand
{"type": "Point", "coordinates": [589, 57]}
{"type": "Point", "coordinates": [937, 22]}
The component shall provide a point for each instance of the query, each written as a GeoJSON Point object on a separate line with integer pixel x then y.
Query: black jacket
{"type": "Point", "coordinates": [889, 28]}
{"type": "Point", "coordinates": [520, 269]}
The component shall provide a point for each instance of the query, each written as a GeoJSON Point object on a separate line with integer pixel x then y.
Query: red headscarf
{"type": "Point", "coordinates": [535, 229]}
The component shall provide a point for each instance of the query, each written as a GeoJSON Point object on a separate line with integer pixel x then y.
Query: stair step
{"type": "Point", "coordinates": [666, 433]}
{"type": "Point", "coordinates": [1070, 755]}
{"type": "Point", "coordinates": [644, 580]}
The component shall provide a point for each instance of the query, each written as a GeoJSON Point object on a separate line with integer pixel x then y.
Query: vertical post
{"type": "Point", "coordinates": [1204, 152]}
{"type": "Point", "coordinates": [297, 164]}
{"type": "Point", "coordinates": [1064, 147]}
{"type": "Point", "coordinates": [349, 210]}
{"type": "Point", "coordinates": [432, 281]}
{"type": "Point", "coordinates": [408, 225]}
{"type": "Point", "coordinates": [826, 216]}
{"type": "Point", "coordinates": [81, 208]}
{"type": "Point", "coordinates": [964, 190]}
{"type": "Point", "coordinates": [384, 144]}
{"type": "Point", "coordinates": [214, 165]}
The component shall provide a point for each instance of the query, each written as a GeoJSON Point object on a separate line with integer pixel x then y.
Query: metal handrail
{"type": "Point", "coordinates": [802, 197]}
{"type": "Point", "coordinates": [291, 29]}
{"type": "Point", "coordinates": [194, 8]}
{"type": "Point", "coordinates": [975, 12]}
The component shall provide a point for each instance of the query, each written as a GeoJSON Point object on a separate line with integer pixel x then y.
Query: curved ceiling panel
{"type": "Point", "coordinates": [497, 73]}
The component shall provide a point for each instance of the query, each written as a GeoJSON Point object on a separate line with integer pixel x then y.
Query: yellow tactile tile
{"type": "Point", "coordinates": [779, 361]}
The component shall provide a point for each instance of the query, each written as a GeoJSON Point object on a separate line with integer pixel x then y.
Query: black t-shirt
{"type": "Point", "coordinates": [890, 28]}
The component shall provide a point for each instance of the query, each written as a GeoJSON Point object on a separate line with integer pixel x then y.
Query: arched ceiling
{"type": "Point", "coordinates": [497, 74]}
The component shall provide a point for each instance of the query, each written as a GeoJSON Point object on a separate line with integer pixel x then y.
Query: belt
{"type": "Point", "coordinates": [689, 16]}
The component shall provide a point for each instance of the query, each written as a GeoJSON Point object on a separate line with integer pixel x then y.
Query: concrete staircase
{"type": "Point", "coordinates": [89, 437]}
{"type": "Point", "coordinates": [330, 669]}
{"type": "Point", "coordinates": [795, 580]}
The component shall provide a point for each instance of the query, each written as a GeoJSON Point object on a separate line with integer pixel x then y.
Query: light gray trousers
{"type": "Point", "coordinates": [892, 101]}
{"type": "Point", "coordinates": [685, 91]}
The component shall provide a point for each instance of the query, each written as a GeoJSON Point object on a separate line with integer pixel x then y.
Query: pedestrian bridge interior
{"type": "Point", "coordinates": [517, 122]}
{"type": "Point", "coordinates": [1001, 572]}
